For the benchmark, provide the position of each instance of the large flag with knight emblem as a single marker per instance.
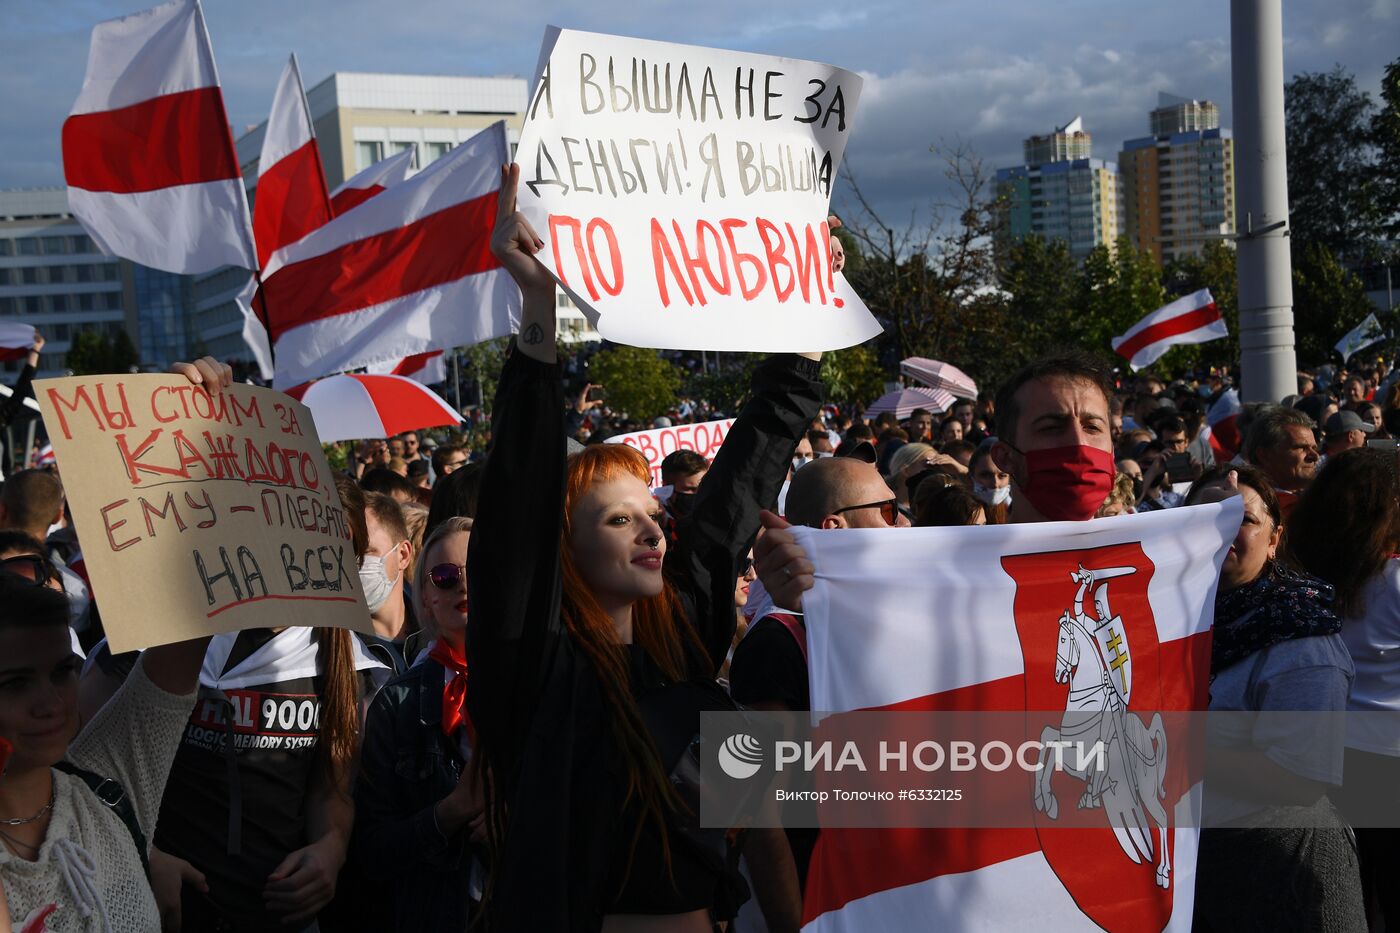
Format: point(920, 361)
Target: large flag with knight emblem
point(1106, 625)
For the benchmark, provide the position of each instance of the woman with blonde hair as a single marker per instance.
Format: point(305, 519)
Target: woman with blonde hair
point(590, 663)
point(416, 798)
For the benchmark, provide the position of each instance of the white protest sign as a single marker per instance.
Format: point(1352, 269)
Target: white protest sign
point(682, 192)
point(704, 438)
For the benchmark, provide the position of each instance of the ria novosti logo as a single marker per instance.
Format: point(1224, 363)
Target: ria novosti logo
point(740, 756)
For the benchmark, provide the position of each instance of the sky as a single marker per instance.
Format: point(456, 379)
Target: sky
point(983, 73)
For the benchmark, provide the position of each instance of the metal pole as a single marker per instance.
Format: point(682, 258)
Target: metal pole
point(1268, 363)
point(457, 380)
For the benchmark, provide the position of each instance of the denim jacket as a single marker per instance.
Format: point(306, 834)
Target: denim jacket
point(406, 766)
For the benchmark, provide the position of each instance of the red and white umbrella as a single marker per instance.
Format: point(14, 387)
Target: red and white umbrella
point(353, 406)
point(16, 340)
point(903, 401)
point(939, 376)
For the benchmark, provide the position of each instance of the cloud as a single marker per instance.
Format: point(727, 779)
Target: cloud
point(988, 74)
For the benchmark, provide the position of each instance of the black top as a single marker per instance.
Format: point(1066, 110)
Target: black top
point(23, 389)
point(276, 731)
point(534, 698)
point(768, 667)
point(417, 875)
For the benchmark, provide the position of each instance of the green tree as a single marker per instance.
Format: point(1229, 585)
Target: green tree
point(638, 381)
point(124, 356)
point(725, 388)
point(852, 375)
point(93, 353)
point(1328, 301)
point(1385, 135)
point(1332, 184)
point(481, 366)
point(927, 281)
point(1117, 288)
point(1213, 269)
point(1040, 280)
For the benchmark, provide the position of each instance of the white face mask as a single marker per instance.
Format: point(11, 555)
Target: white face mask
point(375, 582)
point(997, 496)
point(799, 462)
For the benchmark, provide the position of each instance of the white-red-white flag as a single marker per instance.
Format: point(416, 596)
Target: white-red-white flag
point(147, 152)
point(408, 271)
point(972, 620)
point(291, 199)
point(1222, 423)
point(428, 368)
point(381, 175)
point(16, 340)
point(1191, 319)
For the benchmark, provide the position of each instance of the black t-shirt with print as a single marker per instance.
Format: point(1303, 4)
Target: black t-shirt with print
point(276, 733)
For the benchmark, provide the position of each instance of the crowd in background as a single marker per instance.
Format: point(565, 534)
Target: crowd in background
point(333, 781)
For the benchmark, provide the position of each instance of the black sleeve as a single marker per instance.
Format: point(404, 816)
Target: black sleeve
point(768, 667)
point(386, 842)
point(513, 561)
point(745, 477)
point(23, 389)
point(573, 420)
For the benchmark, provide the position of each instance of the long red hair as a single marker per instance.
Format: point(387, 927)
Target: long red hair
point(658, 626)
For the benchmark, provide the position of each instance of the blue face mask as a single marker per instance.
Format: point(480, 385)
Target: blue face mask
point(1204, 391)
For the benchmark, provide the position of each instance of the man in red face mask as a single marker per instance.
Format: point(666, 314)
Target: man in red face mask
point(1054, 439)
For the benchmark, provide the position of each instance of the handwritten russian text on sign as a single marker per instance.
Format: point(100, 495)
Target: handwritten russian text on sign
point(704, 438)
point(682, 192)
point(201, 514)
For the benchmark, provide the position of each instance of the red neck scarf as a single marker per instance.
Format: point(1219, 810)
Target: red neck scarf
point(454, 695)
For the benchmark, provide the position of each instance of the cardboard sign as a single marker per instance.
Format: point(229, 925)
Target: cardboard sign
point(704, 438)
point(201, 514)
point(682, 192)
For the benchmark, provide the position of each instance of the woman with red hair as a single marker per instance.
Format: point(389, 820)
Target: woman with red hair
point(592, 651)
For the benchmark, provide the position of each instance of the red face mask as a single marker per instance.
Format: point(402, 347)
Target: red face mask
point(1067, 484)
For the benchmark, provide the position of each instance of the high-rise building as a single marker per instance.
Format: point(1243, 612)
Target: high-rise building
point(360, 119)
point(1067, 143)
point(1179, 183)
point(53, 277)
point(1061, 193)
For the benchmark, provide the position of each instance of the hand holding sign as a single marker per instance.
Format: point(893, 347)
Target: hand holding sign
point(678, 192)
point(203, 508)
point(514, 242)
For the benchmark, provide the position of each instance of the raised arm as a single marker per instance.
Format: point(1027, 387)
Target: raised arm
point(745, 478)
point(513, 569)
point(24, 385)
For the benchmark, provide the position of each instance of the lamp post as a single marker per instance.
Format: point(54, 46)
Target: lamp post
point(1268, 362)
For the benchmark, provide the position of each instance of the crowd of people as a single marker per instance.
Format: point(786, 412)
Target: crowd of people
point(515, 745)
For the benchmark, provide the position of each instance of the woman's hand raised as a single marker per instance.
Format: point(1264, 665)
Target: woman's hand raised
point(515, 243)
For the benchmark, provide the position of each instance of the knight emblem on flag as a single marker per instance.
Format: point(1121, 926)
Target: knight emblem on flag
point(1091, 650)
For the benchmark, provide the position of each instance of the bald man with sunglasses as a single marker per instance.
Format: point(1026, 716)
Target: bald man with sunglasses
point(769, 668)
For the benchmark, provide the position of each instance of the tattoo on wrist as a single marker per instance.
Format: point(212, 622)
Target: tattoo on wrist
point(533, 334)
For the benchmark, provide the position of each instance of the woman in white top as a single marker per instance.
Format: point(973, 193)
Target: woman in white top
point(1346, 530)
point(68, 861)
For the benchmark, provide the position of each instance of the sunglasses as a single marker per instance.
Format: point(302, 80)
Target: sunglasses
point(889, 510)
point(447, 576)
point(31, 567)
point(745, 566)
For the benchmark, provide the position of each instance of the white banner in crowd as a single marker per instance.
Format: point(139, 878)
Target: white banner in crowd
point(682, 192)
point(704, 438)
point(973, 618)
point(1360, 337)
